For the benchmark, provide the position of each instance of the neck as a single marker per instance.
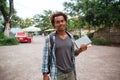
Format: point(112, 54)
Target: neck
point(61, 32)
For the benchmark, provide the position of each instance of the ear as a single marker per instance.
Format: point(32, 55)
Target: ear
point(54, 26)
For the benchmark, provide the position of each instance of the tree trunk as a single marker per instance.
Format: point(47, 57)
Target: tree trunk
point(8, 23)
point(7, 29)
point(7, 16)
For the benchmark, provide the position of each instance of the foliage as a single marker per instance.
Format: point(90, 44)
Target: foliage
point(42, 20)
point(98, 41)
point(4, 40)
point(90, 35)
point(27, 22)
point(72, 23)
point(7, 13)
point(76, 36)
point(95, 12)
point(16, 21)
point(1, 35)
point(1, 26)
point(3, 3)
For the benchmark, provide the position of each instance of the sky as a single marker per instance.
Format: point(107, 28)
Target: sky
point(28, 8)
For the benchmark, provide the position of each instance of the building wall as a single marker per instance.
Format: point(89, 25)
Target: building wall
point(113, 34)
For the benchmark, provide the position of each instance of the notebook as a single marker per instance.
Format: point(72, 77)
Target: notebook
point(83, 40)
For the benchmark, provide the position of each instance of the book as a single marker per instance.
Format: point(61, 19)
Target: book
point(83, 40)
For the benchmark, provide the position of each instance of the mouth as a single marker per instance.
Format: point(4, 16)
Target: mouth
point(61, 27)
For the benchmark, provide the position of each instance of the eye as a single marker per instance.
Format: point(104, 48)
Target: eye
point(57, 22)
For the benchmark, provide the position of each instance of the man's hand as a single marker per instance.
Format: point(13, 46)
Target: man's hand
point(83, 47)
point(46, 77)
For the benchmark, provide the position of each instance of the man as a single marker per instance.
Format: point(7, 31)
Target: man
point(59, 51)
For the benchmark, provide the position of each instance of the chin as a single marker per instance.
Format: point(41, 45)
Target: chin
point(61, 30)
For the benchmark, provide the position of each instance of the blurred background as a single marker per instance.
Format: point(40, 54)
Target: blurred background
point(99, 19)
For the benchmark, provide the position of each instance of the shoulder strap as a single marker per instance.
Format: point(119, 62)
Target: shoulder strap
point(52, 40)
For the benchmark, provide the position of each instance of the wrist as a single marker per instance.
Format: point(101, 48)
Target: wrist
point(80, 49)
point(45, 74)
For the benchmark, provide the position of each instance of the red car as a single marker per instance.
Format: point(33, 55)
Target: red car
point(23, 37)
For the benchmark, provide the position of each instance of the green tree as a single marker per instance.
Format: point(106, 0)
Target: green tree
point(28, 22)
point(75, 12)
point(16, 21)
point(96, 12)
point(7, 13)
point(73, 23)
point(42, 20)
point(22, 23)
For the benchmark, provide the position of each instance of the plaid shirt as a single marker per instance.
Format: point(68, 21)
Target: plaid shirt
point(47, 51)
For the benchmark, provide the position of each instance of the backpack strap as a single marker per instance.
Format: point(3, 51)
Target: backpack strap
point(52, 40)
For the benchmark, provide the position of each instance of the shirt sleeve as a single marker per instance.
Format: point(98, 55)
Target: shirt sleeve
point(45, 55)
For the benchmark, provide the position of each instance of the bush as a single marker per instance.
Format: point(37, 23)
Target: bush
point(75, 37)
point(90, 35)
point(7, 40)
point(98, 41)
point(2, 35)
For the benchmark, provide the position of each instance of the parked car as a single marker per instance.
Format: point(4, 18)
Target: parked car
point(23, 37)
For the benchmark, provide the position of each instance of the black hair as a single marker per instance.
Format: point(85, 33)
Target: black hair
point(52, 17)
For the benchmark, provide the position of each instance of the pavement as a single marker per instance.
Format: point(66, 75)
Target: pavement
point(23, 62)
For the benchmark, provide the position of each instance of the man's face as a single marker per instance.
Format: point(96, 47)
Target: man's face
point(60, 23)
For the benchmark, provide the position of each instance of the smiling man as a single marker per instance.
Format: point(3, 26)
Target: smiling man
point(59, 51)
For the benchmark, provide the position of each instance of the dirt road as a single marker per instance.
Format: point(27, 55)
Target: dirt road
point(23, 62)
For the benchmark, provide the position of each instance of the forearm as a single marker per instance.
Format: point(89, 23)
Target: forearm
point(78, 51)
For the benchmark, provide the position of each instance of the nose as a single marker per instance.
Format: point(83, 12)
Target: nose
point(61, 22)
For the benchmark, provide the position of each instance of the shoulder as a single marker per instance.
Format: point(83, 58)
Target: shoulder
point(52, 33)
point(47, 38)
point(50, 36)
point(71, 36)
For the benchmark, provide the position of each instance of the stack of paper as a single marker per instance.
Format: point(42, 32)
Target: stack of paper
point(83, 40)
